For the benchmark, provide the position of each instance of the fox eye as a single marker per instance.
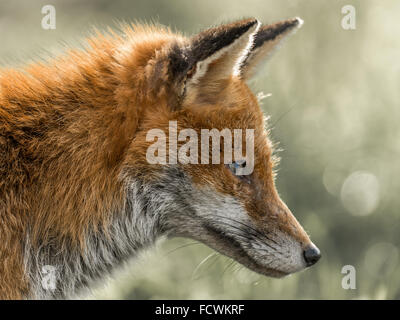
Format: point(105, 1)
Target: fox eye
point(237, 167)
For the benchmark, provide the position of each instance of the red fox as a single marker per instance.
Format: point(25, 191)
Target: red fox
point(77, 192)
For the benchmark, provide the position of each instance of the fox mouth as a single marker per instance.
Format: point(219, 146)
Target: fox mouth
point(231, 247)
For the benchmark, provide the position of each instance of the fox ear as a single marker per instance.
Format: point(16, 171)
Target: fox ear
point(211, 55)
point(265, 41)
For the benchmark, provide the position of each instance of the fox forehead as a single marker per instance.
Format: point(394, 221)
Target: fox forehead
point(234, 106)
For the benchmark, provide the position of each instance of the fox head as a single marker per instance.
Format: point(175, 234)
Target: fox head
point(199, 83)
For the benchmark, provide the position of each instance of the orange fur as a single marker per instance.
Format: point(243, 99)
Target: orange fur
point(69, 128)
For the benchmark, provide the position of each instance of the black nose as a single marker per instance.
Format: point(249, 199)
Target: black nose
point(311, 255)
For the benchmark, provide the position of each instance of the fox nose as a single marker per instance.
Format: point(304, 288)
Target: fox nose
point(311, 255)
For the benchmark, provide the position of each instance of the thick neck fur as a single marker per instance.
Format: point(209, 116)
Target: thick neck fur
point(149, 212)
point(131, 230)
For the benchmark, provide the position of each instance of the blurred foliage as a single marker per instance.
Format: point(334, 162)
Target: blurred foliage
point(335, 111)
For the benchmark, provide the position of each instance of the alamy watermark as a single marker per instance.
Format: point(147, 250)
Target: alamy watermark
point(349, 280)
point(349, 18)
point(49, 277)
point(186, 147)
point(49, 19)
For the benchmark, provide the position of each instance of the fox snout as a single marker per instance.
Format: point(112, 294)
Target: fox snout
point(274, 246)
point(279, 223)
point(291, 241)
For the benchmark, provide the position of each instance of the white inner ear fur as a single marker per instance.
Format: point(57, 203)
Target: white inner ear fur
point(246, 51)
point(235, 47)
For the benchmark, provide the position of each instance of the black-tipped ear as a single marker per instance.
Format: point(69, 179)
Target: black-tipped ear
point(265, 40)
point(209, 42)
point(224, 43)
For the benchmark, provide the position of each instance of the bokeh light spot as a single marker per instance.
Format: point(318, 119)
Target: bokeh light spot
point(360, 193)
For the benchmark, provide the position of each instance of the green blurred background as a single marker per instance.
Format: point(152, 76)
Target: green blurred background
point(335, 111)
